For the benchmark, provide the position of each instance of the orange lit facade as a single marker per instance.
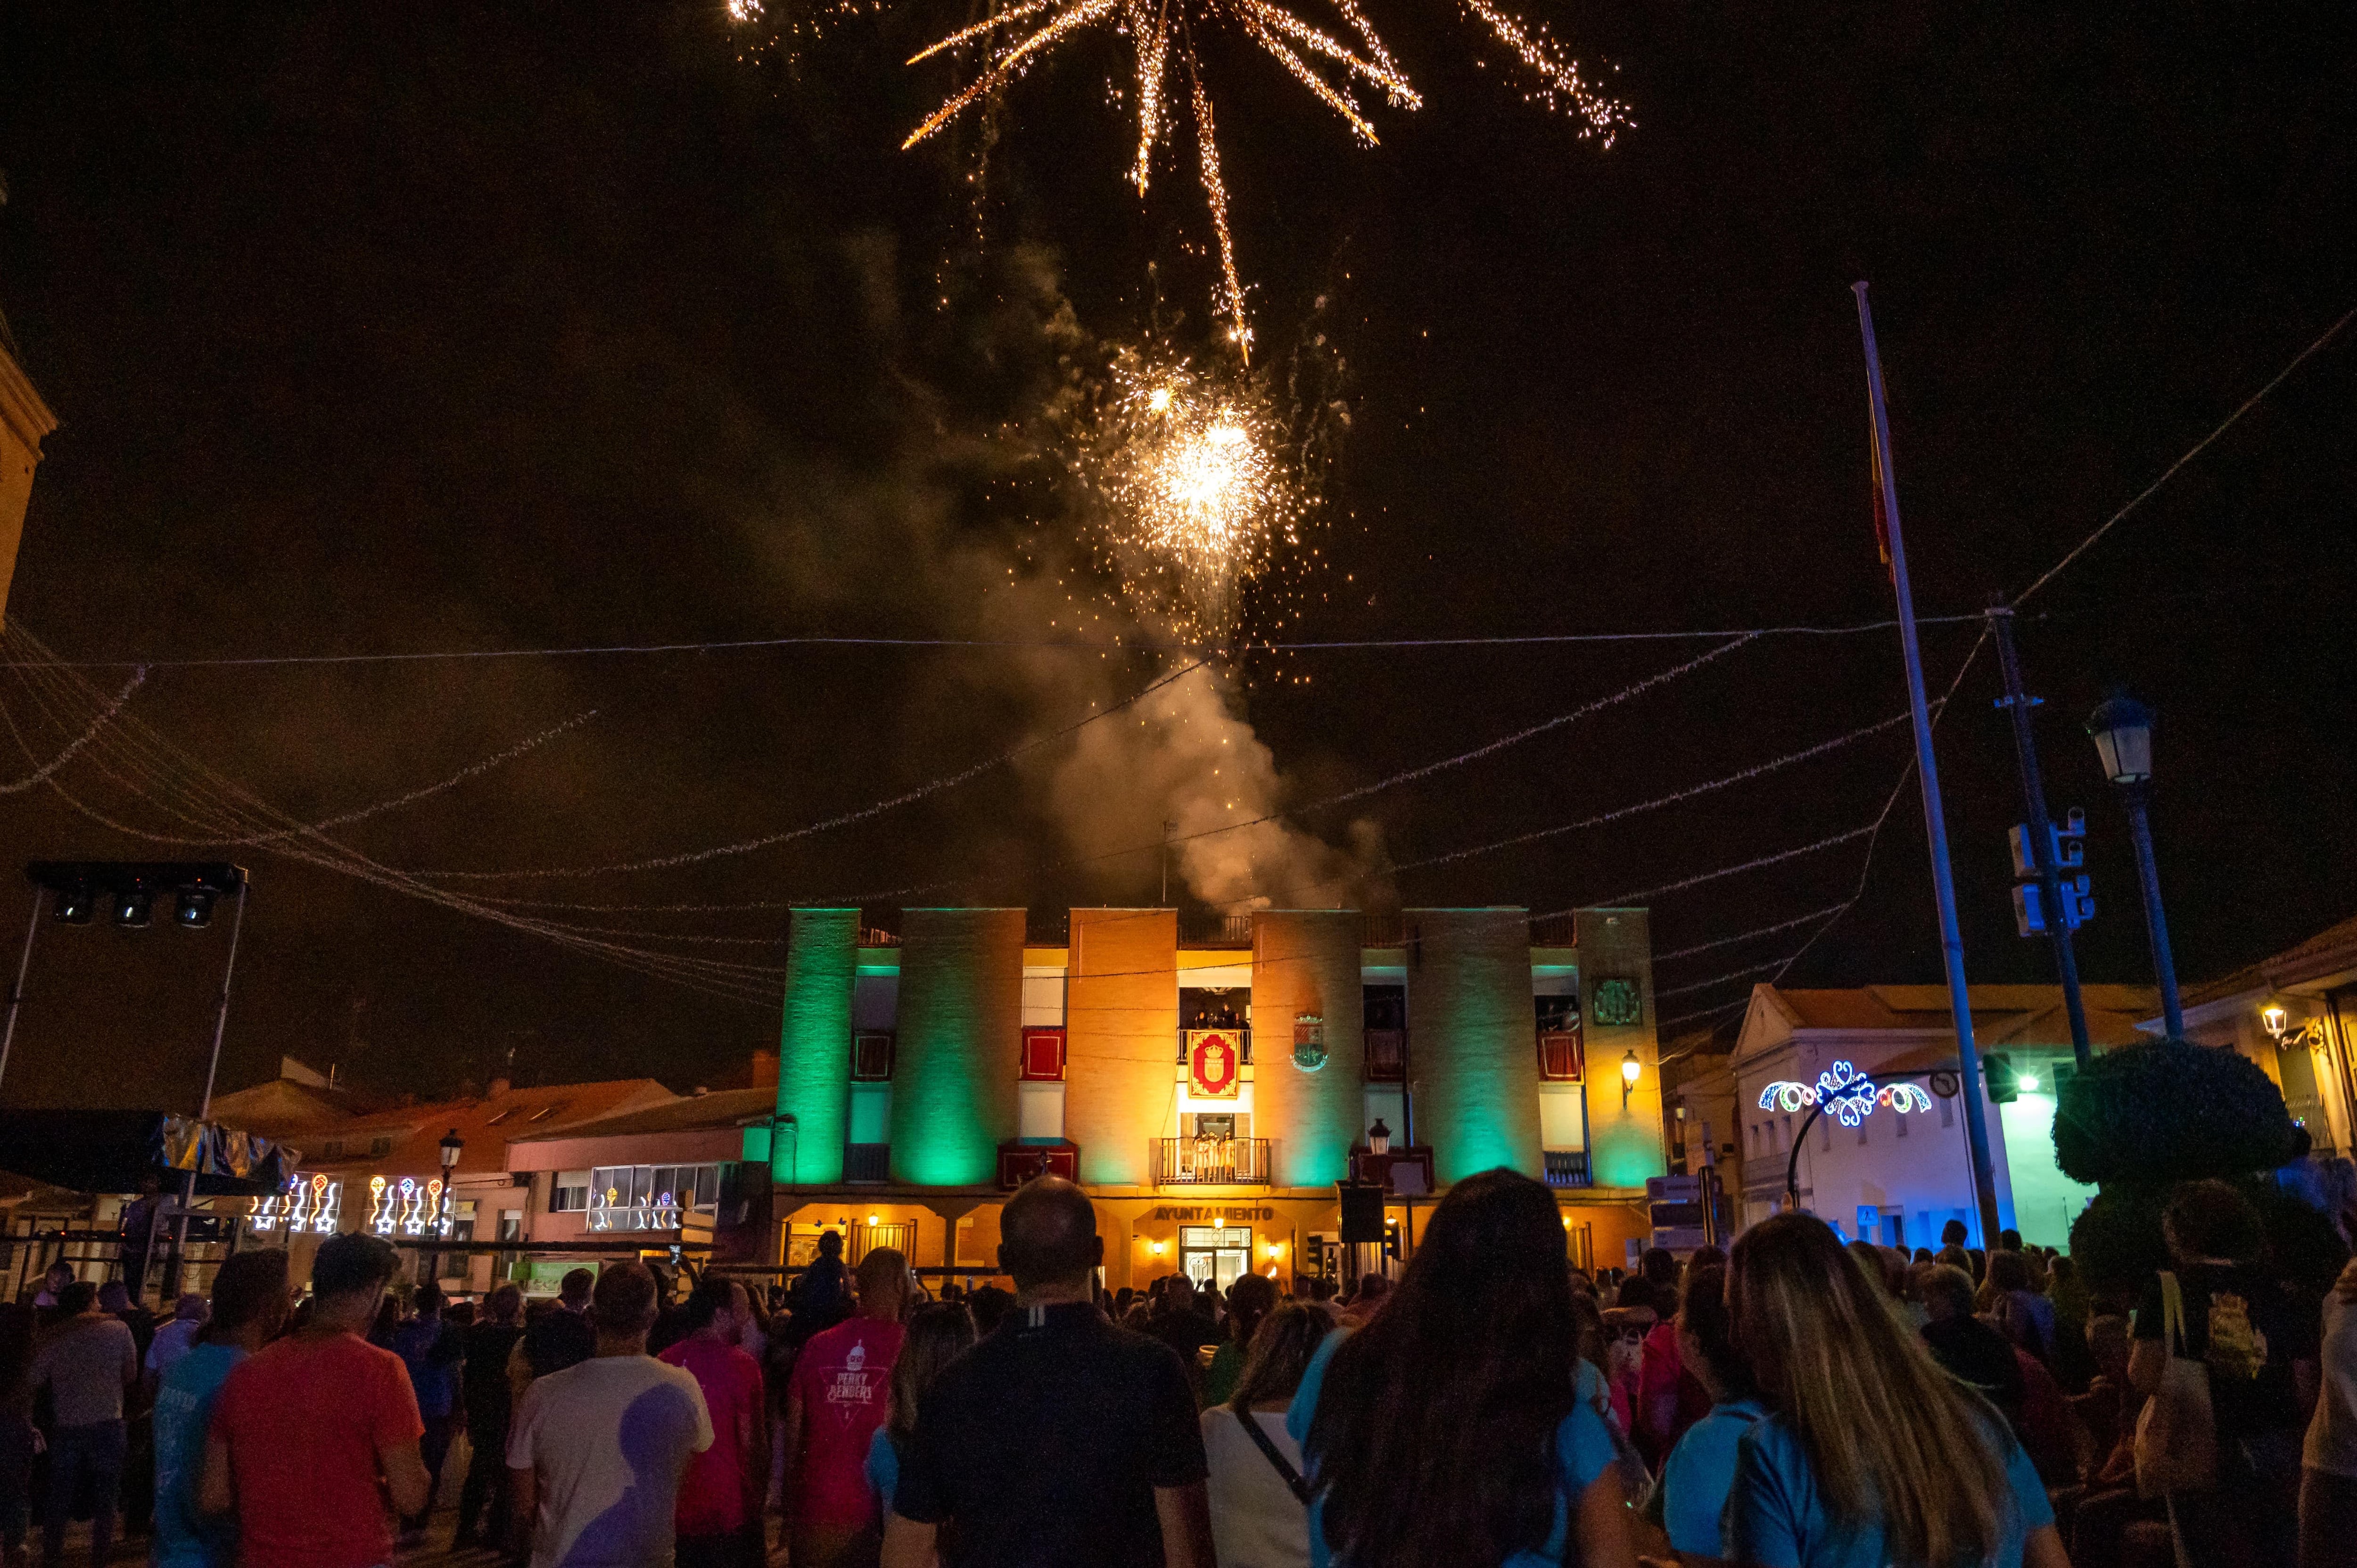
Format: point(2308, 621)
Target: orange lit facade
point(1209, 1087)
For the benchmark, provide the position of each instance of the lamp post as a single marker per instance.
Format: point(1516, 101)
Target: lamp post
point(1630, 1069)
point(452, 1147)
point(2122, 730)
point(1379, 1139)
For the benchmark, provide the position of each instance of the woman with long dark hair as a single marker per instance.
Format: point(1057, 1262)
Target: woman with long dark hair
point(1461, 1425)
point(938, 1332)
point(1873, 1455)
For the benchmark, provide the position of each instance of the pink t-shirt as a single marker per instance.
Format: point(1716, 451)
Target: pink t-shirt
point(719, 1495)
point(304, 1419)
point(843, 1377)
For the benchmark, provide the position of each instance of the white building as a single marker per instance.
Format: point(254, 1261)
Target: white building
point(1898, 1173)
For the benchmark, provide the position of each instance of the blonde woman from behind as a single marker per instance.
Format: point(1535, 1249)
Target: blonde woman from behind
point(1872, 1455)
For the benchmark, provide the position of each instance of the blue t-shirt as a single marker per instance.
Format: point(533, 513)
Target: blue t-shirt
point(1583, 1448)
point(430, 1350)
point(883, 1468)
point(184, 1414)
point(1776, 1518)
point(1700, 1472)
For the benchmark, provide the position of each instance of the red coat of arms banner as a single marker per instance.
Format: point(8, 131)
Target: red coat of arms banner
point(1214, 1066)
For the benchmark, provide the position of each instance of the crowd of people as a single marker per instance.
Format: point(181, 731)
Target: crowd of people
point(1794, 1400)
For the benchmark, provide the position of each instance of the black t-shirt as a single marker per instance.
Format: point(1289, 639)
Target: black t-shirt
point(1041, 1447)
point(2269, 1402)
point(485, 1380)
point(556, 1340)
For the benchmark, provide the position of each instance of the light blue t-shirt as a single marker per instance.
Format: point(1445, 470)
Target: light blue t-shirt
point(883, 1468)
point(1776, 1518)
point(184, 1414)
point(1583, 1447)
point(1700, 1472)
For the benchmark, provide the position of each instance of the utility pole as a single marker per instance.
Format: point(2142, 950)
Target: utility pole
point(1935, 821)
point(2058, 922)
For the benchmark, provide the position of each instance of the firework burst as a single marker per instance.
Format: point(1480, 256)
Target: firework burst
point(1196, 486)
point(1336, 70)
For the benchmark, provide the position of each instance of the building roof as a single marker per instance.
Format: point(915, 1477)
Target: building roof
point(2002, 1015)
point(2322, 956)
point(406, 1139)
point(284, 1108)
point(721, 1108)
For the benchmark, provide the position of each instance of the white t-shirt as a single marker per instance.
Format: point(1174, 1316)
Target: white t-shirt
point(2332, 1443)
point(1256, 1521)
point(609, 1439)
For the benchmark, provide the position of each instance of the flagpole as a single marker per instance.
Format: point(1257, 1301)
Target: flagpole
point(1935, 824)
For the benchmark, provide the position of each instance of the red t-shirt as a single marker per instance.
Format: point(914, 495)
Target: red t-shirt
point(843, 1377)
point(304, 1419)
point(719, 1495)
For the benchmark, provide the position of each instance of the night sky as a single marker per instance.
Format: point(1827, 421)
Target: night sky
point(403, 329)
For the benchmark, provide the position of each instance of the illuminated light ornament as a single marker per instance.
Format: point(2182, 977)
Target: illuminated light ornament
point(380, 1207)
point(431, 1210)
point(1847, 1093)
point(411, 1224)
point(327, 1205)
point(667, 1213)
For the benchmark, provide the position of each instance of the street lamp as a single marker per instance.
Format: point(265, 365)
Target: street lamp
point(452, 1144)
point(1379, 1139)
point(2122, 730)
point(1630, 1069)
point(2275, 1020)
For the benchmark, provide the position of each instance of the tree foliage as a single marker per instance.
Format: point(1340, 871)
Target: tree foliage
point(2171, 1111)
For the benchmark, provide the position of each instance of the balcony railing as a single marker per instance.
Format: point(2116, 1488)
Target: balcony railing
point(867, 1162)
point(1404, 1171)
point(1211, 1162)
point(1208, 928)
point(1568, 1168)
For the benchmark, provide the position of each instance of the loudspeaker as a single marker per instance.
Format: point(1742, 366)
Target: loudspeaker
point(1362, 1213)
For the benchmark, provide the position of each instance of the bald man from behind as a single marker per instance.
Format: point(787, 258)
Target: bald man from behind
point(1059, 1441)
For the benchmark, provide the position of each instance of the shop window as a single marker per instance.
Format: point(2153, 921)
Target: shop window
point(1043, 1056)
point(871, 1056)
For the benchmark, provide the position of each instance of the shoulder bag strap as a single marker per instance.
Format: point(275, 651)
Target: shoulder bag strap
point(1292, 1481)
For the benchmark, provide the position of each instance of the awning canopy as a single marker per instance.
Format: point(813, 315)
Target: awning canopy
point(110, 1151)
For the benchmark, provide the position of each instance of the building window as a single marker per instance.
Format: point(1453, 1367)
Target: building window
point(1385, 1011)
point(571, 1193)
point(511, 1224)
point(651, 1198)
point(871, 1056)
point(1043, 1056)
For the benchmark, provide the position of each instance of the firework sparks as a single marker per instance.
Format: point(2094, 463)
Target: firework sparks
point(1161, 34)
point(1196, 491)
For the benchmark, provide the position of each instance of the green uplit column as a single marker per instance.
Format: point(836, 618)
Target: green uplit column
point(1472, 1040)
point(814, 1048)
point(961, 1021)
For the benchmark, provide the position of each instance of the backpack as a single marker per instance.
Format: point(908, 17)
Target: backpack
point(2237, 1349)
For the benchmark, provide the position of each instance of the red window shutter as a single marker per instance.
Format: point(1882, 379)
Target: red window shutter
point(1559, 1056)
point(871, 1056)
point(1043, 1056)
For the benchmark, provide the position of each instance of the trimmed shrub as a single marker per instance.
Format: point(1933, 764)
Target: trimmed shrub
point(2171, 1111)
point(2117, 1240)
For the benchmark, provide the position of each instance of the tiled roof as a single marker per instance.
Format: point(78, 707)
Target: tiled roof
point(722, 1108)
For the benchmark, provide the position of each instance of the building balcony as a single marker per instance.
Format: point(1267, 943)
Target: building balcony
point(867, 1162)
point(1019, 1162)
point(1569, 1167)
point(1402, 1172)
point(1212, 1162)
